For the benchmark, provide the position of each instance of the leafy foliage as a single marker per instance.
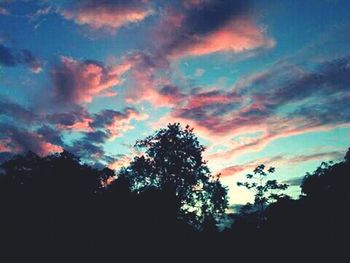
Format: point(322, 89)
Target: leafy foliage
point(265, 191)
point(172, 161)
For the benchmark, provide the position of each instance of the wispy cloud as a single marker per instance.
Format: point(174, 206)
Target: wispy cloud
point(108, 14)
point(282, 160)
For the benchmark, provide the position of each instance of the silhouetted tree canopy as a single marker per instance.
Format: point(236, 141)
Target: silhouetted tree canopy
point(172, 161)
point(56, 208)
point(329, 181)
point(61, 172)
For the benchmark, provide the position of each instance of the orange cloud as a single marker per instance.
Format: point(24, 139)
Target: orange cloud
point(119, 163)
point(48, 148)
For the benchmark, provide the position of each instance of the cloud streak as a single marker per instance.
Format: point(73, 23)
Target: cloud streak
point(280, 160)
point(110, 15)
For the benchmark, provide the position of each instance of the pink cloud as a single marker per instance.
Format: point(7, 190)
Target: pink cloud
point(279, 160)
point(108, 14)
point(221, 129)
point(205, 98)
point(48, 148)
point(22, 141)
point(149, 90)
point(289, 128)
point(237, 169)
point(146, 83)
point(179, 35)
point(270, 105)
point(238, 36)
point(80, 82)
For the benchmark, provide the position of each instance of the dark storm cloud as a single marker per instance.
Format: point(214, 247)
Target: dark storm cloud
point(11, 57)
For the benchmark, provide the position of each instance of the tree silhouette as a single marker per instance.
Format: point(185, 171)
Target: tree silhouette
point(329, 181)
point(57, 208)
point(47, 203)
point(265, 191)
point(172, 161)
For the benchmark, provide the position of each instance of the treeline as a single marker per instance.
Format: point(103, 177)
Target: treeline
point(165, 206)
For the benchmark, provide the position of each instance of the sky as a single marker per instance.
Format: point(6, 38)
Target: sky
point(259, 81)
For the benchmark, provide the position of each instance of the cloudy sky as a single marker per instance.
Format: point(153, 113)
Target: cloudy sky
point(260, 81)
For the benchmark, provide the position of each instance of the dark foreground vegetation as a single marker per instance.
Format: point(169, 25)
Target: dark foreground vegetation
point(165, 207)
